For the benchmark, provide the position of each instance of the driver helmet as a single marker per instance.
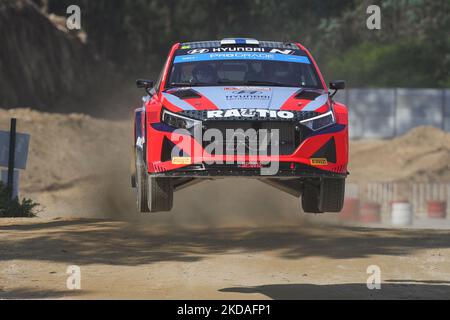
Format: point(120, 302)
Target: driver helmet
point(204, 73)
point(281, 70)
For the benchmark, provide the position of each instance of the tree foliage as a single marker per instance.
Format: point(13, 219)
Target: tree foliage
point(411, 49)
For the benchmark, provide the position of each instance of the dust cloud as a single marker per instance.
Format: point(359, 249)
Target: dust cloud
point(79, 167)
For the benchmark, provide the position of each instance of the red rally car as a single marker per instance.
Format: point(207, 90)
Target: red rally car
point(241, 108)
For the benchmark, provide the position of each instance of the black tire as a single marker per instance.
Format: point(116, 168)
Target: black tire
point(141, 186)
point(133, 168)
point(310, 199)
point(160, 194)
point(326, 196)
point(332, 194)
point(133, 180)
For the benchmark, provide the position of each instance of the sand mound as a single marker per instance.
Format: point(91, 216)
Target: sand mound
point(423, 154)
point(65, 149)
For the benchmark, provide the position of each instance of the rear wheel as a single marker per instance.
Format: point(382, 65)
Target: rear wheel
point(326, 196)
point(160, 194)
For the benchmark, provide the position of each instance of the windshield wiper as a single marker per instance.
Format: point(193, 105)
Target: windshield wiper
point(188, 84)
point(228, 81)
point(266, 83)
point(252, 83)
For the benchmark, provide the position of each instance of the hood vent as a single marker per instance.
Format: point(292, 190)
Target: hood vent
point(308, 94)
point(186, 94)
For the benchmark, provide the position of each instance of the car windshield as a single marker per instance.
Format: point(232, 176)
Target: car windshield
point(223, 69)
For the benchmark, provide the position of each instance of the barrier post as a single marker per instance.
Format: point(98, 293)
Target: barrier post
point(11, 161)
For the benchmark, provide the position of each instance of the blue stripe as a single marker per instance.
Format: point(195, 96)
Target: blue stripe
point(241, 56)
point(240, 41)
point(162, 127)
point(331, 129)
point(138, 122)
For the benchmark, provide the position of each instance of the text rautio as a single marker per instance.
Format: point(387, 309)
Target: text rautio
point(250, 113)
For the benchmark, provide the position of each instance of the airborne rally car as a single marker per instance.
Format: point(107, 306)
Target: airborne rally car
point(241, 108)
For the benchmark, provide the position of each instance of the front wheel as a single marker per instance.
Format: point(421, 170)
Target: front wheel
point(326, 196)
point(141, 186)
point(160, 194)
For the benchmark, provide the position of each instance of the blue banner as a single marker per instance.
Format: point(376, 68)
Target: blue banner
point(241, 56)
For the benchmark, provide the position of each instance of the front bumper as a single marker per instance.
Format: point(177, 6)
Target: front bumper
point(296, 160)
point(284, 171)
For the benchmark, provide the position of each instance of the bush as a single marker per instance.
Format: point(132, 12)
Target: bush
point(408, 63)
point(14, 208)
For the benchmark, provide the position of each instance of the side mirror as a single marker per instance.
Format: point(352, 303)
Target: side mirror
point(145, 84)
point(337, 85)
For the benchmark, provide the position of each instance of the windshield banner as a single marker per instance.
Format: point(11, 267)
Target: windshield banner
point(241, 56)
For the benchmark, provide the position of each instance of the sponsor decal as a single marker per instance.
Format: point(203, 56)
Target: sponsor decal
point(196, 55)
point(198, 51)
point(247, 88)
point(185, 47)
point(239, 49)
point(282, 51)
point(250, 113)
point(247, 94)
point(319, 161)
point(181, 160)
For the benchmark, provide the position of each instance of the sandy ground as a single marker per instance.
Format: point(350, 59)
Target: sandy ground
point(235, 238)
point(129, 260)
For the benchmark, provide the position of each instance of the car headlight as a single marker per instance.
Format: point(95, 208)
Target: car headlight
point(320, 122)
point(178, 121)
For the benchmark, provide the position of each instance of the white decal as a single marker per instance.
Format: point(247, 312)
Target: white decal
point(198, 51)
point(215, 114)
point(285, 114)
point(238, 49)
point(260, 113)
point(281, 51)
point(232, 113)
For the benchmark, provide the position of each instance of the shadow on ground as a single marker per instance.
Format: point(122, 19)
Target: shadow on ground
point(30, 293)
point(125, 243)
point(356, 291)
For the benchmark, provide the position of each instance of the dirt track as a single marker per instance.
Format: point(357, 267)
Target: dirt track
point(133, 260)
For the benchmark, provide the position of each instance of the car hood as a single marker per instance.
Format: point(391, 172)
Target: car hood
point(244, 97)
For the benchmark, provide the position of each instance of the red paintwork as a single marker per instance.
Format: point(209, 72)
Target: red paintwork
point(302, 155)
point(201, 103)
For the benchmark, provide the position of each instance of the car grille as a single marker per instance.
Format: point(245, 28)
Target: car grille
point(289, 137)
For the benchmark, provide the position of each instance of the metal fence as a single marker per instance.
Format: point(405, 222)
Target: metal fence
point(383, 193)
point(387, 113)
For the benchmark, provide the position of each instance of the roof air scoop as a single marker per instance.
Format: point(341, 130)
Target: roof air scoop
point(239, 41)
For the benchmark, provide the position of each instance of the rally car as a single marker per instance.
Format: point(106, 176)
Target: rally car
point(241, 108)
